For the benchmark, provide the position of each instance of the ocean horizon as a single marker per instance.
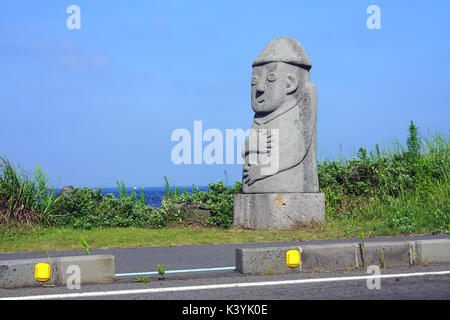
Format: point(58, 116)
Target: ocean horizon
point(153, 195)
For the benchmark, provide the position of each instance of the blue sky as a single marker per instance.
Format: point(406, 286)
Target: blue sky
point(99, 104)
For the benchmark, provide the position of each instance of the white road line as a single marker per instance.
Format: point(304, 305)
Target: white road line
point(222, 286)
point(174, 271)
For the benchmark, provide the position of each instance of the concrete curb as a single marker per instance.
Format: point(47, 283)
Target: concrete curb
point(432, 251)
point(93, 269)
point(343, 256)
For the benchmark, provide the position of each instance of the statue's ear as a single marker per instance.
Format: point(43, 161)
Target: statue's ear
point(309, 95)
point(291, 83)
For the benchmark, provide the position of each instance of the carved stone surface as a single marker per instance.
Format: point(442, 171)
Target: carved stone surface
point(265, 211)
point(281, 152)
point(285, 105)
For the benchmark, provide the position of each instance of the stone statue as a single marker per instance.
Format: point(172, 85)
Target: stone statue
point(280, 167)
point(284, 99)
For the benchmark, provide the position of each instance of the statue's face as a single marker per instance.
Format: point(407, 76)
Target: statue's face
point(272, 85)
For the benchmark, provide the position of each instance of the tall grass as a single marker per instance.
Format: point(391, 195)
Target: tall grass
point(24, 198)
point(133, 195)
point(399, 189)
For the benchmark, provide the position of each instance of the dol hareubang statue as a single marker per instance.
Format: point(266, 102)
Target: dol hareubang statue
point(283, 99)
point(280, 181)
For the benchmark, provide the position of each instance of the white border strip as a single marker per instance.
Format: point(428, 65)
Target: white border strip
point(174, 271)
point(221, 286)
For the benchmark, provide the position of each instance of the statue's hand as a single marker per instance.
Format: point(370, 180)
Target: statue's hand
point(245, 149)
point(265, 142)
point(251, 174)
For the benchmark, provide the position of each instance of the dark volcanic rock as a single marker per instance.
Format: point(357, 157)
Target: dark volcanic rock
point(65, 190)
point(191, 213)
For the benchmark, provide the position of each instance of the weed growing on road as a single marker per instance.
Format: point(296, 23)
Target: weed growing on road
point(85, 246)
point(143, 280)
point(162, 271)
point(363, 249)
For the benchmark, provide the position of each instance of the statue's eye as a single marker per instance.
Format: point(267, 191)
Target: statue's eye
point(254, 80)
point(272, 77)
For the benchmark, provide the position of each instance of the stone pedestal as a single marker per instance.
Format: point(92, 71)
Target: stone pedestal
point(264, 211)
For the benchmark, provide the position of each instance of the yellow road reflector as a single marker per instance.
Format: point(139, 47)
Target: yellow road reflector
point(293, 258)
point(42, 272)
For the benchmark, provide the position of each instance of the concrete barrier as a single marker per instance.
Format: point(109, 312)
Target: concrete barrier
point(432, 251)
point(93, 269)
point(387, 254)
point(261, 260)
point(344, 256)
point(330, 257)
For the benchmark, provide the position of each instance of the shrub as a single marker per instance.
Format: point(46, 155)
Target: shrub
point(86, 208)
point(218, 200)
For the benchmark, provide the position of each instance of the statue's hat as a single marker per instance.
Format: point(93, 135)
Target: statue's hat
point(286, 50)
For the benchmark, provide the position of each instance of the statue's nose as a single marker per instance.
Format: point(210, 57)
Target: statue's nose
point(260, 85)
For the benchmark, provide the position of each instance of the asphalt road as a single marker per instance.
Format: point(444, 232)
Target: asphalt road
point(229, 285)
point(146, 259)
point(333, 285)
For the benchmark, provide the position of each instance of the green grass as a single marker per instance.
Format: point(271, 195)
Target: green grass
point(38, 238)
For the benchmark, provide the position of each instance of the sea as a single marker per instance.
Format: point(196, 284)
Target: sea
point(153, 195)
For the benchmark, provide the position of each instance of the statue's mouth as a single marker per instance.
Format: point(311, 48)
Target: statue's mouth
point(259, 96)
